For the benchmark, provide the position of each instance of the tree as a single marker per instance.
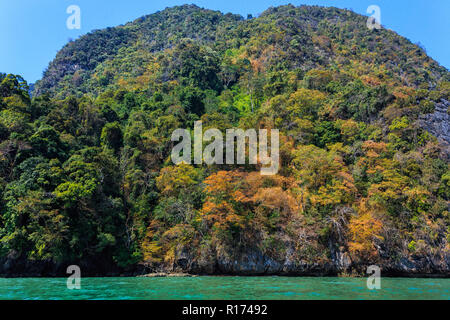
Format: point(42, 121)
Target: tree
point(112, 136)
point(364, 231)
point(323, 178)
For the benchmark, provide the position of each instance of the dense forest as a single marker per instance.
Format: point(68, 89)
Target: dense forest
point(86, 176)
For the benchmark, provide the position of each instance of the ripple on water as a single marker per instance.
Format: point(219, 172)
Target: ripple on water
point(224, 288)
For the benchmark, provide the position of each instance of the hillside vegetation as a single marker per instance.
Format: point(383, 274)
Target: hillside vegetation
point(86, 176)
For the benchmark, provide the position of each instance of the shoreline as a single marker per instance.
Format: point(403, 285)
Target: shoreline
point(25, 268)
point(190, 275)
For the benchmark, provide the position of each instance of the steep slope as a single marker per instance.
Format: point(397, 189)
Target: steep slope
point(76, 62)
point(305, 37)
point(301, 38)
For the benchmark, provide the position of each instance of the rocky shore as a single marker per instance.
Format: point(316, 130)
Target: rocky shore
point(248, 264)
point(167, 274)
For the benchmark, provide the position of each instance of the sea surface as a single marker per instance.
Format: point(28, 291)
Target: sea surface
point(297, 288)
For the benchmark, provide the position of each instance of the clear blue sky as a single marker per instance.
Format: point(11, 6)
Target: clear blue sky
point(32, 31)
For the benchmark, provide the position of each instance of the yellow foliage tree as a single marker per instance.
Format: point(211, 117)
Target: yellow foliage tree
point(363, 230)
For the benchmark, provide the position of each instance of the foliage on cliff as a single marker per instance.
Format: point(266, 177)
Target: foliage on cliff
point(85, 168)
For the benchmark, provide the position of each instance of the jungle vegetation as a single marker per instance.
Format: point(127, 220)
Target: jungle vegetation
point(85, 169)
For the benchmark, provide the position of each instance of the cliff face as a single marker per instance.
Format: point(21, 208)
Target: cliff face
point(438, 124)
point(255, 262)
point(250, 263)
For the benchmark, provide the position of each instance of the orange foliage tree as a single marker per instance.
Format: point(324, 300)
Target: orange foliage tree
point(363, 231)
point(220, 210)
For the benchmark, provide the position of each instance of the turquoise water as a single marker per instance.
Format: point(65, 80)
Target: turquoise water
point(304, 288)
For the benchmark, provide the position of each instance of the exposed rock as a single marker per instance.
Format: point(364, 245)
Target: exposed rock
point(438, 124)
point(165, 274)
